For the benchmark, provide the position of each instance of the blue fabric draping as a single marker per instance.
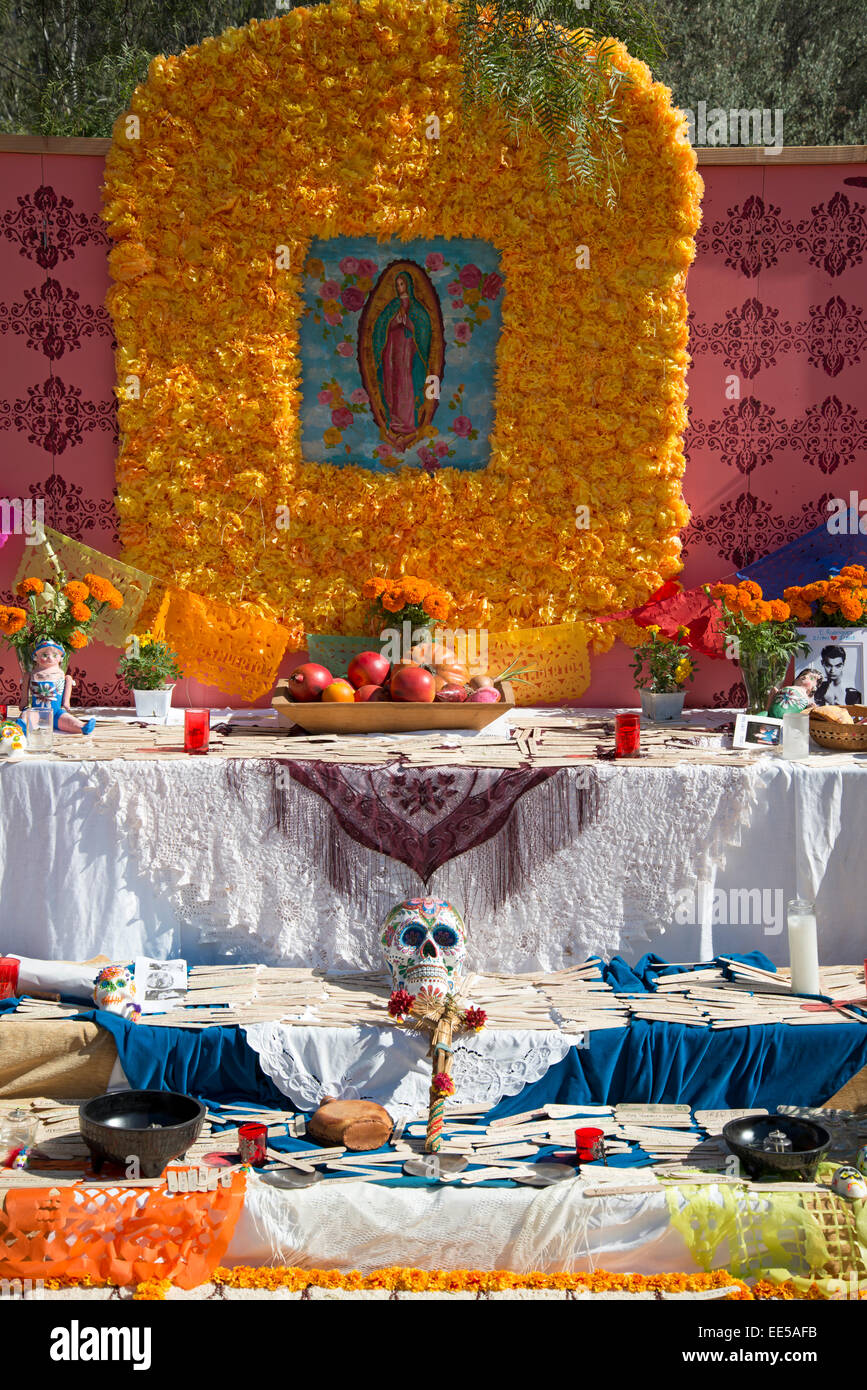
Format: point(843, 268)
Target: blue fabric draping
point(214, 1064)
point(766, 1065)
point(817, 555)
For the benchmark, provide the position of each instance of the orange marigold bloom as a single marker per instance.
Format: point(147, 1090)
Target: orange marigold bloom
point(750, 587)
point(373, 587)
point(727, 592)
point(391, 600)
point(104, 591)
point(78, 639)
point(81, 613)
point(779, 611)
point(757, 612)
point(851, 609)
point(29, 586)
point(12, 620)
point(75, 591)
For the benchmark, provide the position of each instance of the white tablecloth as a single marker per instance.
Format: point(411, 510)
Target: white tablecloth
point(158, 858)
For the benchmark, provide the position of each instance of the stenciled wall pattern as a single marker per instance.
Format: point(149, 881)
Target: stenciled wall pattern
point(778, 419)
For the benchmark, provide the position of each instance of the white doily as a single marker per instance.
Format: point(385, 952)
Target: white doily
point(392, 1066)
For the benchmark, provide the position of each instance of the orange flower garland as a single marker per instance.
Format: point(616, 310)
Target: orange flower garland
point(591, 363)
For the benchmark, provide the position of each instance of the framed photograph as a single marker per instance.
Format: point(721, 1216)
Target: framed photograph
point(757, 731)
point(160, 984)
point(837, 655)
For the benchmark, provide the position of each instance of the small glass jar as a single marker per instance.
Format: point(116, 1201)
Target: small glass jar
point(796, 734)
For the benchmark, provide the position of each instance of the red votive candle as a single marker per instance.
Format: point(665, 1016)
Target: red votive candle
point(588, 1144)
point(4, 710)
point(627, 735)
point(197, 730)
point(8, 977)
point(252, 1142)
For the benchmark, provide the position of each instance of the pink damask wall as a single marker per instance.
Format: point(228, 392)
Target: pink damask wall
point(778, 299)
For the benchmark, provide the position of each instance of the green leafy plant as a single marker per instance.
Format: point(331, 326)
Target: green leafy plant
point(547, 65)
point(148, 664)
point(662, 665)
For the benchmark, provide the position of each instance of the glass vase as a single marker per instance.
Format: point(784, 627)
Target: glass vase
point(760, 672)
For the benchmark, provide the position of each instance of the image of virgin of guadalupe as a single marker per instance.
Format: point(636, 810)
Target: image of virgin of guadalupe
point(400, 350)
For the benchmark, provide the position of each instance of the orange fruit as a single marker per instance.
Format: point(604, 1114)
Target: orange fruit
point(341, 691)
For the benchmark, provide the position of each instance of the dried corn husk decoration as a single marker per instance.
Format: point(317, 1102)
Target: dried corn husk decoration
point(442, 1017)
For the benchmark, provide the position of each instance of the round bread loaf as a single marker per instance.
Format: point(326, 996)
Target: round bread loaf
point(356, 1124)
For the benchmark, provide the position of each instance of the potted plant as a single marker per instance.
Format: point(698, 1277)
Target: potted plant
point(149, 669)
point(662, 667)
point(762, 635)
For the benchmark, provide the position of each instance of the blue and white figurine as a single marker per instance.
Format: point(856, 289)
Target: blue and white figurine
point(48, 686)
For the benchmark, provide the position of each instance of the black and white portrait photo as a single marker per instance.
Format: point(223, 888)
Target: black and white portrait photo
point(840, 662)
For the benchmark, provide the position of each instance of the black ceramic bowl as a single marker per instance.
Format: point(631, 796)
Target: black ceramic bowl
point(151, 1126)
point(809, 1141)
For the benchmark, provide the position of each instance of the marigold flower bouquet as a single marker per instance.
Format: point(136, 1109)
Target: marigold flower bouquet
point(405, 599)
point(64, 613)
point(762, 636)
point(840, 601)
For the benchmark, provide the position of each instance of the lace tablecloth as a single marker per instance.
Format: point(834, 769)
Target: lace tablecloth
point(392, 1067)
point(163, 858)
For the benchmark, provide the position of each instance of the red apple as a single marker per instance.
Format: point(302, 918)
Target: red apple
point(370, 692)
point(307, 682)
point(413, 683)
point(368, 668)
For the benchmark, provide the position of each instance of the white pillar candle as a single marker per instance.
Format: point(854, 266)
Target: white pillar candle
point(803, 947)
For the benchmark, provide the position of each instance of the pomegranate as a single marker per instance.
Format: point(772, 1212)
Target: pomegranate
point(368, 668)
point(485, 696)
point(307, 682)
point(452, 694)
point(339, 692)
point(413, 683)
point(371, 692)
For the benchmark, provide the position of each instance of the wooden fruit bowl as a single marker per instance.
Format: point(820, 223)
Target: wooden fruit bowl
point(841, 738)
point(387, 716)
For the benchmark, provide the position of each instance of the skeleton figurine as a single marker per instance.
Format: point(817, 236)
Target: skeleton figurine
point(425, 944)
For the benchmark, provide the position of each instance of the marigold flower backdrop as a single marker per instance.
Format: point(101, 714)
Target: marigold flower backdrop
point(315, 126)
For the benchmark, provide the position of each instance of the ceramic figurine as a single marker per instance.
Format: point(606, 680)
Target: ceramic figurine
point(861, 1160)
point(13, 740)
point(796, 697)
point(849, 1183)
point(114, 991)
point(48, 686)
point(425, 944)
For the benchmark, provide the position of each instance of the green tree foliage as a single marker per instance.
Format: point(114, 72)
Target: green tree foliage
point(547, 65)
point(804, 58)
point(68, 67)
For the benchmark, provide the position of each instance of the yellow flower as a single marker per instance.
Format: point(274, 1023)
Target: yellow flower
point(313, 84)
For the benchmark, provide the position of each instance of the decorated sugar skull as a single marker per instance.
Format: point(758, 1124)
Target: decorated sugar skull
point(114, 991)
point(13, 739)
point(425, 943)
point(849, 1183)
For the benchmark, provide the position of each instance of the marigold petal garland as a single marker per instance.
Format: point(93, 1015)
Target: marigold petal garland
point(314, 125)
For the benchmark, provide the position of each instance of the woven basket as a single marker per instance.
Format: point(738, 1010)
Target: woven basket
point(841, 738)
